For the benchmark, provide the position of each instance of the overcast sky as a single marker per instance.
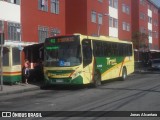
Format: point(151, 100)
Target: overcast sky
point(157, 2)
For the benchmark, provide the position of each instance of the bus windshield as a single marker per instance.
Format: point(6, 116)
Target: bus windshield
point(62, 52)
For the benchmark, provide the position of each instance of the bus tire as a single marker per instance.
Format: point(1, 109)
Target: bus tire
point(96, 79)
point(124, 74)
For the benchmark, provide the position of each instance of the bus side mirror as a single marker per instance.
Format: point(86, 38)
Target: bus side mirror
point(2, 38)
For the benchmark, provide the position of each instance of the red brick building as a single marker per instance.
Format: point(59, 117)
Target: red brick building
point(125, 20)
point(116, 18)
point(87, 17)
point(145, 20)
point(99, 17)
point(41, 19)
point(10, 20)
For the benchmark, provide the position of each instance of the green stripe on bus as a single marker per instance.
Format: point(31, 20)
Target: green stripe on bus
point(78, 80)
point(105, 63)
point(12, 79)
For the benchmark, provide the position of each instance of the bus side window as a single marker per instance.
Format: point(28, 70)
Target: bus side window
point(6, 59)
point(87, 52)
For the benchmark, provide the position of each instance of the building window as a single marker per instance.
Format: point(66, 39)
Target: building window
point(142, 16)
point(14, 31)
point(55, 6)
point(113, 3)
point(93, 16)
point(142, 2)
point(156, 35)
point(156, 22)
point(100, 0)
point(149, 19)
point(54, 31)
point(142, 30)
point(149, 6)
point(125, 8)
point(149, 33)
point(42, 33)
point(126, 26)
point(43, 5)
point(113, 22)
point(1, 26)
point(100, 18)
point(14, 1)
point(110, 21)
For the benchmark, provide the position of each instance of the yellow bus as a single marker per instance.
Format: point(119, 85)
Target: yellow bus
point(12, 63)
point(79, 59)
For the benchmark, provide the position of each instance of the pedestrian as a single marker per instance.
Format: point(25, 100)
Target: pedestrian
point(25, 72)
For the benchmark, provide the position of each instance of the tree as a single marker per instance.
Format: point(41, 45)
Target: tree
point(140, 41)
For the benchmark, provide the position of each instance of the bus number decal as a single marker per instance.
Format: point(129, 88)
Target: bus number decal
point(99, 66)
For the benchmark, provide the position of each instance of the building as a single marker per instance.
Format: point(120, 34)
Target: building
point(116, 18)
point(125, 20)
point(86, 17)
point(145, 16)
point(145, 23)
point(10, 22)
point(41, 19)
point(99, 17)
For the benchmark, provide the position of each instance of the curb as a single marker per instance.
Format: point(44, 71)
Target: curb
point(20, 91)
point(146, 72)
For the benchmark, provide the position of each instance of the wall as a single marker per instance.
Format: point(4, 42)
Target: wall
point(78, 17)
point(124, 17)
point(76, 14)
point(9, 12)
point(99, 8)
point(32, 17)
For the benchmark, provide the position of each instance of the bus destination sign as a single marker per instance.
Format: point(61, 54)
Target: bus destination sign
point(62, 40)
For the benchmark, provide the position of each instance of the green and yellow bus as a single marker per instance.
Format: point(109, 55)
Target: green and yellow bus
point(11, 65)
point(78, 59)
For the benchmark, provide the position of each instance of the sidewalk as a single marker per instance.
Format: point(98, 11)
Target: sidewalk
point(18, 88)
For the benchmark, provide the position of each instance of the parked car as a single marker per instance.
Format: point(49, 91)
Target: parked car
point(155, 64)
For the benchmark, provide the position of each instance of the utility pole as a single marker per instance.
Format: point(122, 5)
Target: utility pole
point(1, 63)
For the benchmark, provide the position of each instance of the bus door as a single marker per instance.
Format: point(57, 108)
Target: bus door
point(87, 60)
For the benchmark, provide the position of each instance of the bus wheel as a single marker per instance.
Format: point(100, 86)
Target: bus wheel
point(124, 74)
point(97, 79)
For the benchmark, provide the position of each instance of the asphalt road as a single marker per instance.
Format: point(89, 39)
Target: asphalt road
point(140, 92)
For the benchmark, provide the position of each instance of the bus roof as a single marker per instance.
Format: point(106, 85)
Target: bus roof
point(108, 38)
point(104, 38)
point(18, 43)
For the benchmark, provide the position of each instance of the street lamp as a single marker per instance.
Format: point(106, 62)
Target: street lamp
point(99, 25)
point(1, 64)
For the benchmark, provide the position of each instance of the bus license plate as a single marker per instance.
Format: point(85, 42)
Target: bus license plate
point(59, 81)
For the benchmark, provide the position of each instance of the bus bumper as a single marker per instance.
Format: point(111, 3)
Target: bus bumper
point(64, 81)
